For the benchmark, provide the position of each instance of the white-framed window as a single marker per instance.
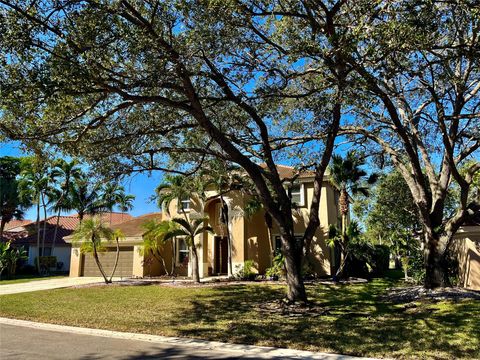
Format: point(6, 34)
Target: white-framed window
point(182, 251)
point(184, 204)
point(297, 193)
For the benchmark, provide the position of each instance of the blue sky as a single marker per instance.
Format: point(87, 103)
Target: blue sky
point(140, 185)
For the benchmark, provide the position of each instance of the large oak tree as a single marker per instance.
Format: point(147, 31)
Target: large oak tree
point(126, 84)
point(416, 75)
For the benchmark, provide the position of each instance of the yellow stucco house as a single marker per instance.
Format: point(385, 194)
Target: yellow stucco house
point(467, 247)
point(250, 236)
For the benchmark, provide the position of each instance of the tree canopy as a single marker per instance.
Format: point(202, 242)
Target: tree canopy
point(133, 86)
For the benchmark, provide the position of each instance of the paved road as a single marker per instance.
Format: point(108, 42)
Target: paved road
point(20, 342)
point(47, 284)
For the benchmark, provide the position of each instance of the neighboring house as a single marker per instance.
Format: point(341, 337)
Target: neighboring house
point(251, 238)
point(467, 247)
point(26, 235)
point(131, 259)
point(16, 225)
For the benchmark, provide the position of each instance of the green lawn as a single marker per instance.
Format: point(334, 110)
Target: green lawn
point(354, 322)
point(26, 278)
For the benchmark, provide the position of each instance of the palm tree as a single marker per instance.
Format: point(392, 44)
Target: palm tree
point(174, 188)
point(125, 202)
point(32, 187)
point(90, 235)
point(63, 172)
point(114, 195)
point(154, 241)
point(347, 176)
point(85, 198)
point(188, 231)
point(344, 242)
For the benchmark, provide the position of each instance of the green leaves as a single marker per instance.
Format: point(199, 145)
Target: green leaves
point(93, 232)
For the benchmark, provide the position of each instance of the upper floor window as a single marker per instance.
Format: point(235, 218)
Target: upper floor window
point(297, 194)
point(184, 204)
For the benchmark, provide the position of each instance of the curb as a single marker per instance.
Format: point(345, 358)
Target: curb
point(246, 351)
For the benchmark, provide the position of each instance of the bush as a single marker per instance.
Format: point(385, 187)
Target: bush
point(27, 270)
point(245, 272)
point(277, 270)
point(415, 264)
point(365, 260)
point(380, 260)
point(10, 257)
point(47, 262)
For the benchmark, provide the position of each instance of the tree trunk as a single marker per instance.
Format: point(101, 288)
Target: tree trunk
point(340, 271)
point(293, 263)
point(44, 224)
point(269, 223)
point(117, 255)
point(57, 223)
point(343, 201)
point(229, 239)
point(38, 234)
point(161, 260)
point(270, 242)
point(195, 271)
point(434, 265)
point(2, 227)
point(174, 256)
point(97, 261)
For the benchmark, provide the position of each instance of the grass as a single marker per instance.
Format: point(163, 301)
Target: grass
point(357, 323)
point(27, 278)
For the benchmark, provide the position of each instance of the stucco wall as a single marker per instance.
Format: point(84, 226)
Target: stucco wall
point(258, 244)
point(250, 236)
point(75, 262)
point(467, 244)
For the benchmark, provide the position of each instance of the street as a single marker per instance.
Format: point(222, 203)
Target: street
point(25, 342)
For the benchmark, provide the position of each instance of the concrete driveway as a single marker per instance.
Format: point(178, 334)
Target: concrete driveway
point(48, 284)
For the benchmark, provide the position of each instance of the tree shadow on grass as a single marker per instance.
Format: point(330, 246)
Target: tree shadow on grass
point(358, 322)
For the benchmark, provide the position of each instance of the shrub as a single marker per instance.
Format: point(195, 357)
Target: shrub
point(10, 258)
point(277, 270)
point(48, 261)
point(380, 260)
point(366, 260)
point(245, 272)
point(27, 270)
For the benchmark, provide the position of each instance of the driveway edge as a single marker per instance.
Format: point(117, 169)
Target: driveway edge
point(238, 349)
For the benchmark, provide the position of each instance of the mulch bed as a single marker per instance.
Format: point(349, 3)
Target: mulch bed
point(416, 293)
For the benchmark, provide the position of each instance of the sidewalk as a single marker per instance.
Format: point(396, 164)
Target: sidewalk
point(105, 341)
point(47, 284)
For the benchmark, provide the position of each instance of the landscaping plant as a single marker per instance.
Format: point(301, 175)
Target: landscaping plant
point(90, 237)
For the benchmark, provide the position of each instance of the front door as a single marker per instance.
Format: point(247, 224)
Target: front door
point(221, 255)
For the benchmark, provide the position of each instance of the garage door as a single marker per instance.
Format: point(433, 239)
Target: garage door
point(107, 259)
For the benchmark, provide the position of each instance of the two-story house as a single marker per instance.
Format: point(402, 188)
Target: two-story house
point(251, 238)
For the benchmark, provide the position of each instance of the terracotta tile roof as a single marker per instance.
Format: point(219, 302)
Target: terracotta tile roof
point(134, 227)
point(67, 224)
point(287, 172)
point(12, 224)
